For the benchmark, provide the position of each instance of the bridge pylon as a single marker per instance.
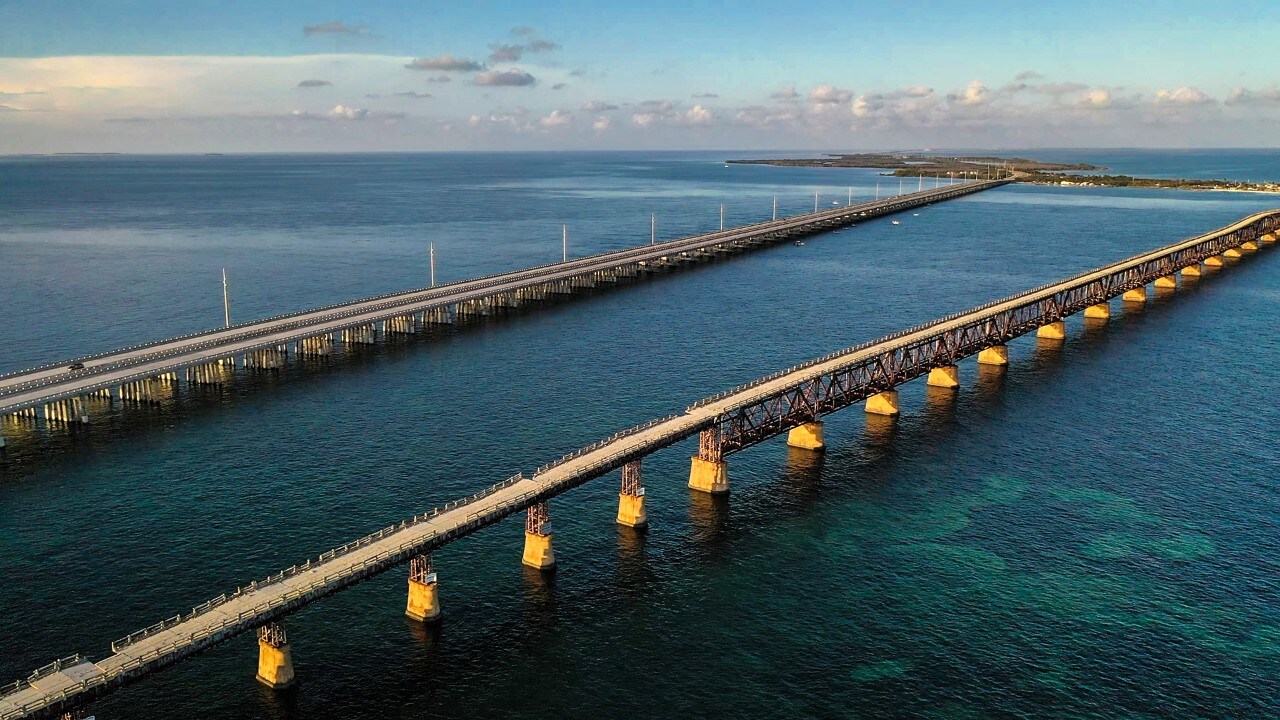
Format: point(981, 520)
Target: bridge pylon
point(1053, 331)
point(275, 661)
point(883, 403)
point(424, 604)
point(947, 376)
point(631, 500)
point(1192, 271)
point(538, 552)
point(708, 470)
point(807, 436)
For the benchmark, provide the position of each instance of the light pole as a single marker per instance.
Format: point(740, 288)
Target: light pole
point(432, 248)
point(226, 299)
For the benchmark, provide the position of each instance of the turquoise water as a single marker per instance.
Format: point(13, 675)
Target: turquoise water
point(1091, 535)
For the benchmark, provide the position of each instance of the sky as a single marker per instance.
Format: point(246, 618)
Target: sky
point(384, 75)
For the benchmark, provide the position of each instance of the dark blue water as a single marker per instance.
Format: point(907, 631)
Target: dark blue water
point(1092, 534)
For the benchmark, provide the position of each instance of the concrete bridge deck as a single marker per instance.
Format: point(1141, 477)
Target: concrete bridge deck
point(24, 391)
point(794, 399)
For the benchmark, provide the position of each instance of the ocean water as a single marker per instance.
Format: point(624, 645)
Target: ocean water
point(1092, 534)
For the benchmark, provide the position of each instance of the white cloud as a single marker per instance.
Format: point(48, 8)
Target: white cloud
point(1185, 95)
point(645, 119)
point(344, 112)
point(829, 95)
point(601, 124)
point(786, 93)
point(699, 115)
point(1097, 98)
point(595, 106)
point(556, 118)
point(975, 93)
point(515, 77)
point(447, 63)
point(1244, 96)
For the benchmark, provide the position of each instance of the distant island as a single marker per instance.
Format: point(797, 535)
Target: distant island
point(1020, 169)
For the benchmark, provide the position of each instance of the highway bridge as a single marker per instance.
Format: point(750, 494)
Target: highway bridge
point(146, 373)
point(793, 401)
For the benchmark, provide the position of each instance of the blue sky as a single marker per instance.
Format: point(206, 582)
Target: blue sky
point(138, 75)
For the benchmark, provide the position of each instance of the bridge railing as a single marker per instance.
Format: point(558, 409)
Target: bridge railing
point(327, 556)
point(399, 297)
point(601, 443)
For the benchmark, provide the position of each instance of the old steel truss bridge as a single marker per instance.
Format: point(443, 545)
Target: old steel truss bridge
point(147, 373)
point(793, 401)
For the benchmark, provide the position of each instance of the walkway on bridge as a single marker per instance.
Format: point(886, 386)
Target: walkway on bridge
point(793, 401)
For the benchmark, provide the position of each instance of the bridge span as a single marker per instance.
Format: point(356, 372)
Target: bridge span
point(146, 373)
point(793, 401)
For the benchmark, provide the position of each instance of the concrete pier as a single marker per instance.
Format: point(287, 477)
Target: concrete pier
point(709, 476)
point(538, 552)
point(360, 335)
point(1101, 311)
point(423, 604)
point(1233, 253)
point(631, 498)
point(883, 403)
point(807, 436)
point(1192, 271)
point(1053, 331)
point(1168, 282)
point(1214, 261)
point(275, 661)
point(947, 376)
point(1136, 295)
point(994, 355)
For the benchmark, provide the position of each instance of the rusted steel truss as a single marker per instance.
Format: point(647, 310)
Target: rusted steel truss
point(632, 480)
point(812, 398)
point(536, 522)
point(273, 634)
point(420, 567)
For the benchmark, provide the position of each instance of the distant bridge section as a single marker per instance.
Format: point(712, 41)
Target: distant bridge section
point(146, 373)
point(792, 401)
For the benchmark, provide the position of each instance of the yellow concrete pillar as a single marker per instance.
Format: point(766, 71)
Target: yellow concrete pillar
point(710, 476)
point(884, 403)
point(538, 552)
point(1232, 253)
point(1138, 295)
point(424, 603)
point(994, 355)
point(537, 539)
point(1192, 271)
point(947, 376)
point(1267, 239)
point(1213, 261)
point(275, 661)
point(631, 510)
point(1053, 331)
point(1168, 281)
point(1101, 311)
point(1249, 245)
point(807, 436)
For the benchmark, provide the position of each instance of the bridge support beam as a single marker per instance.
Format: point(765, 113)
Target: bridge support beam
point(708, 471)
point(631, 500)
point(947, 376)
point(538, 552)
point(424, 605)
point(1233, 253)
point(994, 355)
point(1168, 282)
point(1213, 261)
point(1267, 239)
point(1053, 331)
point(275, 661)
point(807, 436)
point(883, 403)
point(1101, 311)
point(1136, 295)
point(1192, 271)
point(1249, 246)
